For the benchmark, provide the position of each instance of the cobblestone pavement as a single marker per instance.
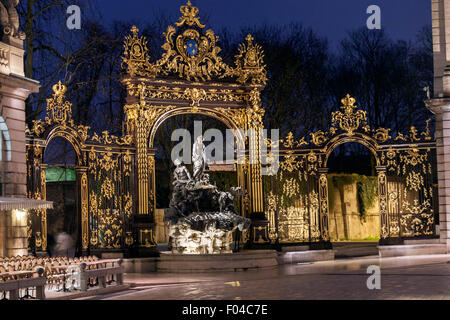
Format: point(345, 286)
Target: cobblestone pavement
point(423, 277)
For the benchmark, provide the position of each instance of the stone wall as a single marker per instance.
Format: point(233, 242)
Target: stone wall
point(12, 110)
point(14, 90)
point(161, 230)
point(440, 13)
point(344, 219)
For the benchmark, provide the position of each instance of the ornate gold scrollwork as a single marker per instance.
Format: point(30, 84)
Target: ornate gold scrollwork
point(255, 113)
point(60, 111)
point(382, 190)
point(289, 141)
point(84, 211)
point(195, 95)
point(192, 53)
point(129, 239)
point(110, 222)
point(382, 135)
point(136, 56)
point(290, 164)
point(323, 199)
point(189, 16)
point(318, 138)
point(249, 63)
point(349, 120)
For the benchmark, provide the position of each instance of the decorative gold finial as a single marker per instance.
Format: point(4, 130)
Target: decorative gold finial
point(136, 55)
point(249, 63)
point(58, 110)
point(348, 104)
point(59, 89)
point(189, 16)
point(135, 31)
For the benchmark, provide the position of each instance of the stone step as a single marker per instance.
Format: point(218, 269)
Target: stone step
point(305, 256)
point(411, 250)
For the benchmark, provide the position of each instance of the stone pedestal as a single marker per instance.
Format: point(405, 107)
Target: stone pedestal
point(196, 263)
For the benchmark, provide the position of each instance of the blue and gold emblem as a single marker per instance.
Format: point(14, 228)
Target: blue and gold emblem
point(192, 47)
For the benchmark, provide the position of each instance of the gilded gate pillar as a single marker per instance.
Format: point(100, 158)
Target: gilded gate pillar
point(323, 203)
point(140, 120)
point(383, 202)
point(259, 233)
point(36, 189)
point(143, 169)
point(42, 212)
point(254, 117)
point(152, 181)
point(83, 207)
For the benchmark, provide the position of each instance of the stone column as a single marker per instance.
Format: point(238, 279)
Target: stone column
point(16, 233)
point(441, 109)
point(440, 106)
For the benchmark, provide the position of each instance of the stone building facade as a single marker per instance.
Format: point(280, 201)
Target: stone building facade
point(14, 90)
point(440, 106)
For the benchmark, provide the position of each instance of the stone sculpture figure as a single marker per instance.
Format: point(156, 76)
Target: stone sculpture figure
point(181, 175)
point(9, 19)
point(198, 158)
point(226, 199)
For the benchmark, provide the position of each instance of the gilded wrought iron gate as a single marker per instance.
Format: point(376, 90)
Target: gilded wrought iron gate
point(410, 188)
point(296, 197)
point(104, 179)
point(295, 201)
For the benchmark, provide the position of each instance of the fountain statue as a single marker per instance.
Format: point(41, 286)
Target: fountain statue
point(201, 218)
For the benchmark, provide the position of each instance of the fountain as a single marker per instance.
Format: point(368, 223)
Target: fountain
point(201, 218)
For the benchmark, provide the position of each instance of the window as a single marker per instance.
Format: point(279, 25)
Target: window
point(5, 143)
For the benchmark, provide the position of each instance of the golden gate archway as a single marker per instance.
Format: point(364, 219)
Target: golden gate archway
point(116, 175)
point(296, 197)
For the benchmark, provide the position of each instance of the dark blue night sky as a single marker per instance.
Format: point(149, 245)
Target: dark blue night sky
point(402, 19)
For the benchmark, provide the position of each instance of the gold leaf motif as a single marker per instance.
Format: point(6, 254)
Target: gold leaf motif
point(290, 164)
point(249, 63)
point(107, 188)
point(136, 56)
point(382, 135)
point(318, 138)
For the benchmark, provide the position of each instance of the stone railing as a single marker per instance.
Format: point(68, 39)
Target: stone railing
point(24, 281)
point(60, 273)
point(100, 271)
